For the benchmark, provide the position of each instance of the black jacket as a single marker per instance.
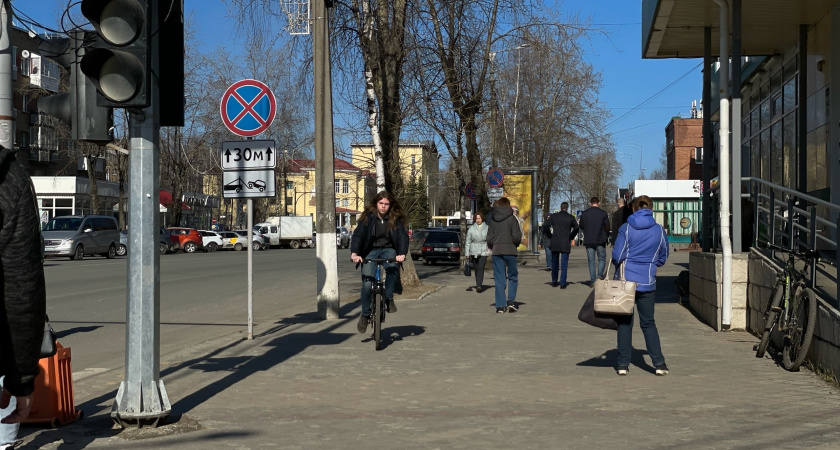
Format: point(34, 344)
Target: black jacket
point(619, 218)
point(22, 279)
point(362, 241)
point(595, 223)
point(561, 227)
point(505, 233)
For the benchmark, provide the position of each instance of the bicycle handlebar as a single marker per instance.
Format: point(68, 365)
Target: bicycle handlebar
point(378, 260)
point(804, 254)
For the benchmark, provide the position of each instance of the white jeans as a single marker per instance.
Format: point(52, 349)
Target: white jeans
point(8, 433)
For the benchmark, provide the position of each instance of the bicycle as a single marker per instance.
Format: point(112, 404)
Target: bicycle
point(377, 292)
point(792, 308)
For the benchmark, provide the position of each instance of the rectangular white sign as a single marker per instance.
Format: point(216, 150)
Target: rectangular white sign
point(248, 184)
point(253, 154)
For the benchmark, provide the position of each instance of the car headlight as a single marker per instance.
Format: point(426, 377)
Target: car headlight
point(66, 242)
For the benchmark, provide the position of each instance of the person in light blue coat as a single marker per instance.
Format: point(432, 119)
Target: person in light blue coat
point(641, 246)
point(477, 249)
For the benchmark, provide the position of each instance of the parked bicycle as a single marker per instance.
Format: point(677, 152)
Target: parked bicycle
point(792, 309)
point(377, 292)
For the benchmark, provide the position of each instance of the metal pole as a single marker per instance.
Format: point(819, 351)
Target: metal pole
point(327, 270)
point(7, 139)
point(706, 217)
point(735, 90)
point(250, 269)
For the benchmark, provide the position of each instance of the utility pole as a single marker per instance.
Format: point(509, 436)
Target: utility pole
point(7, 140)
point(327, 270)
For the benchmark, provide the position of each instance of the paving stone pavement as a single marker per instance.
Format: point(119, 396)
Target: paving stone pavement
point(456, 375)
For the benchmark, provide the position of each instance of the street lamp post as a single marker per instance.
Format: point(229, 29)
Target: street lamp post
point(625, 155)
point(515, 99)
point(640, 157)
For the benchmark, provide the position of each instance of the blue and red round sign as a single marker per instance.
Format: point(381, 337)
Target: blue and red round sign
point(495, 178)
point(248, 107)
point(469, 190)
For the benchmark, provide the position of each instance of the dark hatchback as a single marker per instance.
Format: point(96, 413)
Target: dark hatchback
point(441, 245)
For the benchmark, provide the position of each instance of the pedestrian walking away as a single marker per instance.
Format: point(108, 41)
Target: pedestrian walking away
point(619, 218)
point(641, 246)
point(503, 238)
point(379, 234)
point(543, 244)
point(595, 224)
point(24, 296)
point(477, 249)
point(561, 228)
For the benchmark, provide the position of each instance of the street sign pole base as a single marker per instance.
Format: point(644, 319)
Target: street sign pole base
point(149, 409)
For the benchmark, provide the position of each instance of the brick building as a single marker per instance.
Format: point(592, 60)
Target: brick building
point(684, 138)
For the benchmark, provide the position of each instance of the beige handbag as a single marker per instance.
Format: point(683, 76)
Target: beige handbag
point(615, 296)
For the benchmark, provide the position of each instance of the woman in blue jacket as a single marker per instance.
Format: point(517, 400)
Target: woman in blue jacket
point(641, 246)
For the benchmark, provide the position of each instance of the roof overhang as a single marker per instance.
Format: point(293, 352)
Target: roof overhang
point(674, 28)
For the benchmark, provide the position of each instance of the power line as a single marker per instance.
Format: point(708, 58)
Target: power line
point(649, 99)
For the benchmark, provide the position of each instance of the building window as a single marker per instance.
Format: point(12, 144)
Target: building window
point(290, 185)
point(337, 186)
point(345, 187)
point(345, 203)
point(698, 155)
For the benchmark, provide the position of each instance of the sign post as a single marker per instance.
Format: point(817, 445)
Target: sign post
point(247, 109)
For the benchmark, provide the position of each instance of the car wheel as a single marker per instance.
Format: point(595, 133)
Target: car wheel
point(414, 258)
point(256, 245)
point(295, 244)
point(190, 247)
point(212, 246)
point(121, 250)
point(79, 253)
point(112, 252)
point(162, 248)
point(237, 246)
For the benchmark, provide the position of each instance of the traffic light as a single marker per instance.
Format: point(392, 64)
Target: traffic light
point(120, 67)
point(76, 108)
point(138, 38)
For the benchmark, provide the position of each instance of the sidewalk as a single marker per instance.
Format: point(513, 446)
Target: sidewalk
point(454, 374)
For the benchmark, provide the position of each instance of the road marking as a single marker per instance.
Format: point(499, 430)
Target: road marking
point(89, 372)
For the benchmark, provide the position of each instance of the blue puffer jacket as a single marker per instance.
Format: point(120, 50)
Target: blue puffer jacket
point(642, 245)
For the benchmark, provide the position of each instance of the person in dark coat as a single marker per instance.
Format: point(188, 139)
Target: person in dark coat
point(503, 238)
point(380, 234)
point(595, 223)
point(561, 228)
point(24, 295)
point(619, 218)
point(544, 238)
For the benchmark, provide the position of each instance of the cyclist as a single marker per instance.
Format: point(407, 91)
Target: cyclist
point(380, 234)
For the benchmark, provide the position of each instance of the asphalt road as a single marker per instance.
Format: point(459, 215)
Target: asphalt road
point(203, 296)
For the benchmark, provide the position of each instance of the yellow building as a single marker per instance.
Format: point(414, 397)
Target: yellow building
point(420, 159)
point(354, 188)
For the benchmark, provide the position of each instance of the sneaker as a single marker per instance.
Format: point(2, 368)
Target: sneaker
point(478, 289)
point(661, 370)
point(511, 306)
point(622, 370)
point(564, 285)
point(363, 323)
point(390, 305)
point(501, 310)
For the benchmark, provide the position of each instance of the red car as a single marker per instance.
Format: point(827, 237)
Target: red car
point(187, 239)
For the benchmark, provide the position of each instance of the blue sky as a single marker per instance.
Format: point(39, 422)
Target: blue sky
point(628, 80)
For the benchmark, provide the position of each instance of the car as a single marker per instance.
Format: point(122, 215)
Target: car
point(231, 240)
point(187, 239)
point(441, 245)
point(77, 236)
point(210, 240)
point(342, 237)
point(164, 243)
point(259, 242)
point(415, 243)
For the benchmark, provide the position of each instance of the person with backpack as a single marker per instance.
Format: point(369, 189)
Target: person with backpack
point(503, 238)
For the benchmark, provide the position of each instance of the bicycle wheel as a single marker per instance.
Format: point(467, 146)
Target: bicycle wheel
point(800, 329)
point(377, 320)
point(770, 317)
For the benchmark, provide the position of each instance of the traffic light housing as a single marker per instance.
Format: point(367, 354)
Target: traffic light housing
point(76, 108)
point(138, 38)
point(120, 66)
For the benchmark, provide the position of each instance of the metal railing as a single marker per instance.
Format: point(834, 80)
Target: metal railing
point(797, 221)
